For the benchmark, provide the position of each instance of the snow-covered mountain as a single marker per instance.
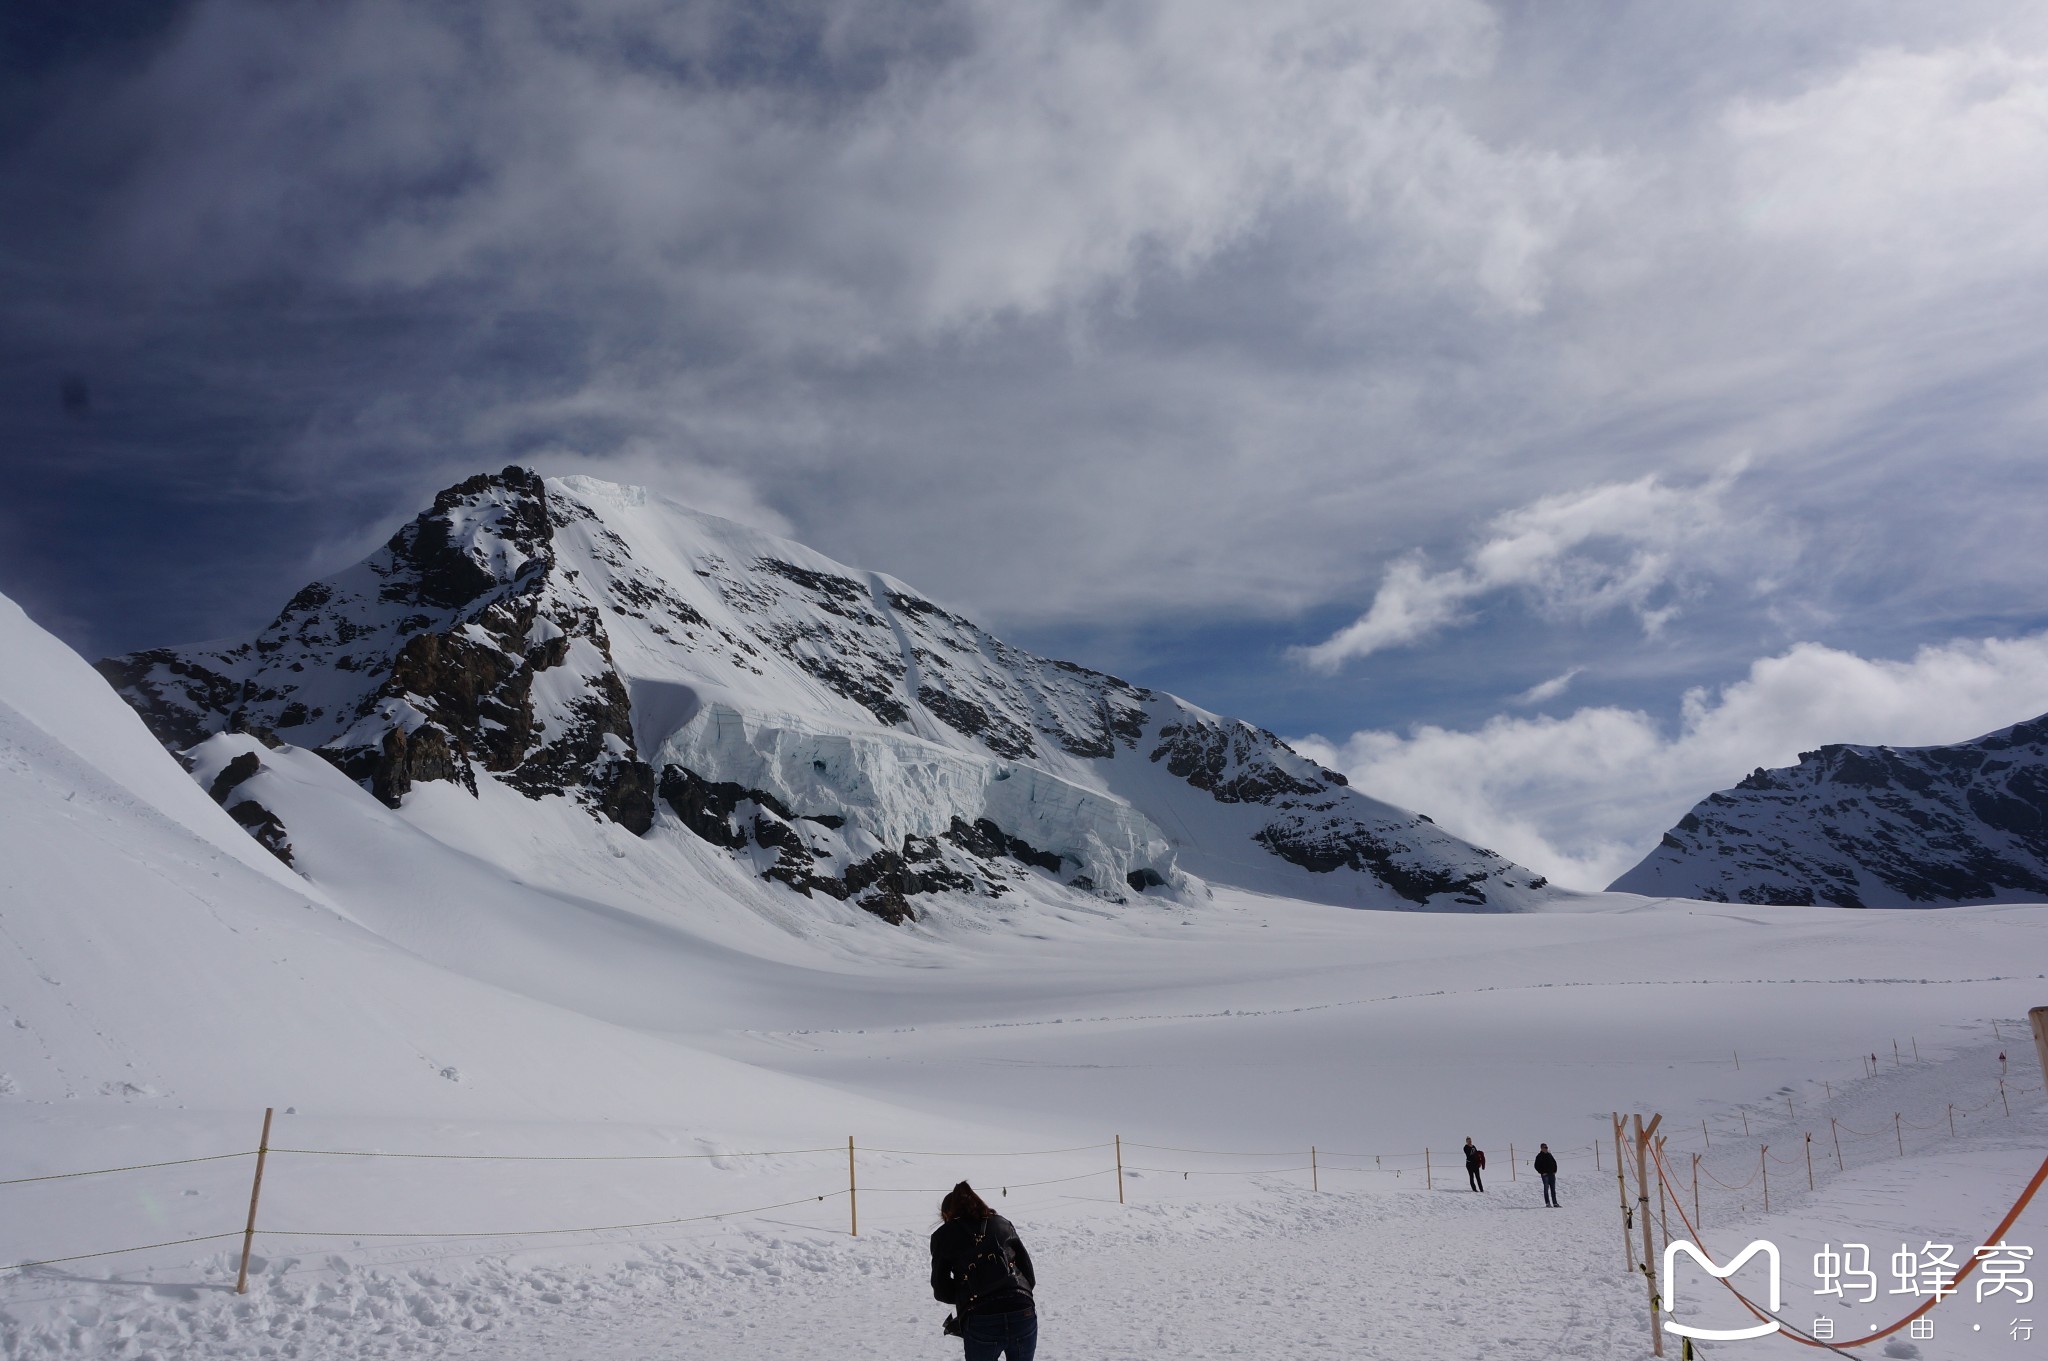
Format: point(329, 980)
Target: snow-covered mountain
point(156, 956)
point(1870, 827)
point(830, 730)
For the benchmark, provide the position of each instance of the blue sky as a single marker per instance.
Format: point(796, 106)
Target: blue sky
point(1463, 384)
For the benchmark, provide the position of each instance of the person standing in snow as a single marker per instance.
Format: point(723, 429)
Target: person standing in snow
point(1546, 1168)
point(1474, 1161)
point(980, 1267)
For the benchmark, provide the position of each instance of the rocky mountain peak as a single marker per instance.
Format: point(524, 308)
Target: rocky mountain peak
point(1870, 827)
point(832, 730)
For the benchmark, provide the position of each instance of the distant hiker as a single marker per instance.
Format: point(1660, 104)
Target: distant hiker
point(980, 1267)
point(1474, 1161)
point(1546, 1168)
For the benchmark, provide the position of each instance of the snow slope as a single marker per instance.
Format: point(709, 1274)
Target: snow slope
point(494, 974)
point(156, 956)
point(840, 733)
point(1870, 827)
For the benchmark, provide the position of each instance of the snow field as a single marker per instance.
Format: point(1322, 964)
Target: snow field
point(1266, 1268)
point(1221, 1262)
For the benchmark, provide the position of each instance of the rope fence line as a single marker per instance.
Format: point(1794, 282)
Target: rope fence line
point(1381, 1162)
point(116, 1252)
point(1996, 1235)
point(131, 1167)
point(1027, 1153)
point(248, 1234)
point(1006, 1186)
point(1738, 1186)
point(1198, 1172)
point(550, 1233)
point(551, 1157)
point(1238, 1153)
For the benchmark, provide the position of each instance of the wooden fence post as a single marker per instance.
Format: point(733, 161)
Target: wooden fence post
point(255, 1191)
point(2037, 1017)
point(1763, 1158)
point(1315, 1181)
point(1628, 1252)
point(1696, 1215)
point(1119, 1169)
point(1643, 1133)
point(1428, 1173)
point(1951, 1119)
point(1663, 1194)
point(852, 1193)
point(2001, 1098)
point(1836, 1135)
point(1899, 1134)
point(1511, 1162)
point(1809, 1160)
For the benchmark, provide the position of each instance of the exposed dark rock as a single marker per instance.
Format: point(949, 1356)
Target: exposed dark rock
point(964, 716)
point(627, 796)
point(832, 592)
point(232, 774)
point(985, 839)
point(264, 825)
point(1321, 849)
point(391, 768)
point(706, 807)
point(1144, 878)
point(180, 700)
point(1869, 826)
point(876, 698)
point(1233, 764)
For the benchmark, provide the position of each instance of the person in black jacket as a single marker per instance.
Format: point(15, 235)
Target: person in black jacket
point(1474, 1161)
point(1546, 1168)
point(980, 1267)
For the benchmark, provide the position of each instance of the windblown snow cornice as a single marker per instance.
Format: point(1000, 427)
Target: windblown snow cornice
point(1870, 827)
point(832, 728)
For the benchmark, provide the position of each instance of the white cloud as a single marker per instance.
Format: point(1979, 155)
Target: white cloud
point(1929, 157)
point(1541, 550)
point(1584, 797)
point(944, 166)
point(1545, 691)
point(1166, 310)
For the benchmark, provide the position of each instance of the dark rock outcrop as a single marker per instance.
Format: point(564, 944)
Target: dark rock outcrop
point(422, 664)
point(1869, 827)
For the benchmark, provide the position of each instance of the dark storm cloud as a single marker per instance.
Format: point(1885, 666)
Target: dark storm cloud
point(1115, 321)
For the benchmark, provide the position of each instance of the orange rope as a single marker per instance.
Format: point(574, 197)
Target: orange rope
point(1740, 1186)
point(1997, 1235)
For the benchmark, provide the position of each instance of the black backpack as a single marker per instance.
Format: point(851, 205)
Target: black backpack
point(990, 1268)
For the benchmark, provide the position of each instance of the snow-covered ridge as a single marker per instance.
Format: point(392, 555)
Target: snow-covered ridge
point(1870, 827)
point(833, 729)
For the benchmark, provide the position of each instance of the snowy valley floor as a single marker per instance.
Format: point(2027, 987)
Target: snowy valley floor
point(1257, 1027)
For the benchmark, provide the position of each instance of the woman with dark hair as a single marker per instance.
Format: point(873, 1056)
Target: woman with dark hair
point(980, 1267)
